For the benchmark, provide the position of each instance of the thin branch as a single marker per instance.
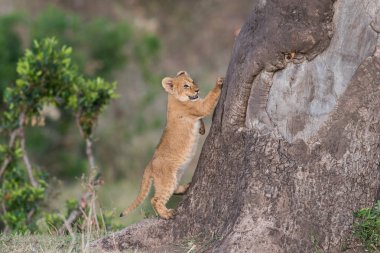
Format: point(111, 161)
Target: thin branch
point(90, 156)
point(88, 197)
point(89, 149)
point(11, 144)
point(25, 156)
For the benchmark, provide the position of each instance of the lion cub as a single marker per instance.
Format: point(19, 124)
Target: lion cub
point(178, 142)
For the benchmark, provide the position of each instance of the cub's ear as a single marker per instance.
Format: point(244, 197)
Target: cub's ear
point(182, 72)
point(167, 83)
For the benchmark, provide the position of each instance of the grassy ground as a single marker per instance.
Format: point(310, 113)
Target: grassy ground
point(34, 243)
point(45, 244)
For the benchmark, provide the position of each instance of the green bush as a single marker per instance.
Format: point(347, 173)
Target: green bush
point(20, 199)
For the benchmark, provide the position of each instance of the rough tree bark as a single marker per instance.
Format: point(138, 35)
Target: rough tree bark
point(294, 147)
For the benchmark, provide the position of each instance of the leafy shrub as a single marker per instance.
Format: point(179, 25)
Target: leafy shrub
point(47, 76)
point(21, 200)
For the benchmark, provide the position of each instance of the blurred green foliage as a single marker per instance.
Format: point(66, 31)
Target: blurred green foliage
point(46, 76)
point(99, 43)
point(9, 40)
point(101, 47)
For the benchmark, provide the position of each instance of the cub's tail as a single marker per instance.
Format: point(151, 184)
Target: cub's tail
point(144, 190)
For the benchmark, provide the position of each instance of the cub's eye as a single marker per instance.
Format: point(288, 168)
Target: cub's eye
point(186, 86)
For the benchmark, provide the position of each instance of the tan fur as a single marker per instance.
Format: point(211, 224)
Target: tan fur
point(178, 142)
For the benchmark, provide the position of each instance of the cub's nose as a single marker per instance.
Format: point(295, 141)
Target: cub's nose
point(197, 90)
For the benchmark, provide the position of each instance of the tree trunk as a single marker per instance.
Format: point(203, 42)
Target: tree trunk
point(294, 147)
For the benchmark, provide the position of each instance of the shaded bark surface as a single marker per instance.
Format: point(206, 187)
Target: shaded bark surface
point(294, 146)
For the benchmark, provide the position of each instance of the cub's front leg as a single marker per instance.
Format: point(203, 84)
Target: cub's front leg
point(205, 106)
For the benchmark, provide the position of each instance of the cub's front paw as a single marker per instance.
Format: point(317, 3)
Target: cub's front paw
point(219, 82)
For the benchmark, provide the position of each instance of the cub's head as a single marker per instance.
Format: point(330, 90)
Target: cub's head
point(181, 87)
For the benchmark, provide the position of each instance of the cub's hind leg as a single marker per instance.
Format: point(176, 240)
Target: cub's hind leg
point(181, 189)
point(164, 188)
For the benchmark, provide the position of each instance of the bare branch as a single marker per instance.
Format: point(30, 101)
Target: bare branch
point(89, 150)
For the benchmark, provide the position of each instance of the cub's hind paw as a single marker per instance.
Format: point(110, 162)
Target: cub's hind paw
point(181, 189)
point(167, 214)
